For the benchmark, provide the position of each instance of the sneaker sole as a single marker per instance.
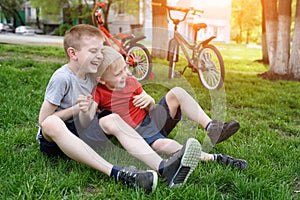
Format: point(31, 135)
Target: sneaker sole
point(155, 179)
point(189, 161)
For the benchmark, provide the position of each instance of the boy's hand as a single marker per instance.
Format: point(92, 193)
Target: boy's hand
point(143, 100)
point(84, 102)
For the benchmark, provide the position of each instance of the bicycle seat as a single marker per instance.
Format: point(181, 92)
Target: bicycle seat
point(124, 36)
point(198, 26)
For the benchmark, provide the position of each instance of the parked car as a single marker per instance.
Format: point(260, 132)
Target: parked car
point(1, 27)
point(24, 30)
point(6, 28)
point(9, 28)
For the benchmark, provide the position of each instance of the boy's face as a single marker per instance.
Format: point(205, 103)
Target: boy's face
point(114, 78)
point(90, 56)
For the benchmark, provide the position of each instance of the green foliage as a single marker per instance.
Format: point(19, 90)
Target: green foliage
point(11, 9)
point(246, 21)
point(129, 7)
point(49, 8)
point(268, 139)
point(62, 29)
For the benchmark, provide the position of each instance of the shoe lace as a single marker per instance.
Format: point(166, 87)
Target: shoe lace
point(127, 177)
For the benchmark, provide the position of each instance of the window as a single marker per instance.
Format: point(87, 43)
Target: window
point(29, 12)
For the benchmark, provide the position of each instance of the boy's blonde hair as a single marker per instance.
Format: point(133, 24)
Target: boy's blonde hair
point(74, 36)
point(110, 56)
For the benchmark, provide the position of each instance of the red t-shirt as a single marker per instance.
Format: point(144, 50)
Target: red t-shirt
point(120, 101)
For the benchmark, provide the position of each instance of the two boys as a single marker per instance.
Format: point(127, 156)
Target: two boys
point(64, 115)
point(60, 127)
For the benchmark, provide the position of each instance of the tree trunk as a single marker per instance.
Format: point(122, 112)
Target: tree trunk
point(270, 11)
point(106, 13)
point(80, 12)
point(159, 30)
point(38, 24)
point(294, 64)
point(265, 57)
point(281, 60)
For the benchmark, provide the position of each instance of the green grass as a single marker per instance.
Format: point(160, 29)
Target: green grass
point(268, 139)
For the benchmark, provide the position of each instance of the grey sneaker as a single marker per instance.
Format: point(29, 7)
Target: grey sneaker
point(233, 162)
point(132, 177)
point(219, 131)
point(181, 164)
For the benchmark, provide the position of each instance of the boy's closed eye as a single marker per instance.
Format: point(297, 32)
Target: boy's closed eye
point(120, 72)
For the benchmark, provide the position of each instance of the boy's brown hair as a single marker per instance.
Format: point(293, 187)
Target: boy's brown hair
point(74, 35)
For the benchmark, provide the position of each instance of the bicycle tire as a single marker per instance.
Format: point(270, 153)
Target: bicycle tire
point(173, 51)
point(143, 61)
point(211, 67)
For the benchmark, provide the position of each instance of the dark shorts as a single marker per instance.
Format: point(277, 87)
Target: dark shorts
point(92, 135)
point(158, 123)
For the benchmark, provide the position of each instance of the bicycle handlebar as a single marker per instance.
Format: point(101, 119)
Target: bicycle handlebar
point(95, 13)
point(101, 5)
point(186, 10)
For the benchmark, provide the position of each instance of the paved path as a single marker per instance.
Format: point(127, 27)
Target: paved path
point(42, 40)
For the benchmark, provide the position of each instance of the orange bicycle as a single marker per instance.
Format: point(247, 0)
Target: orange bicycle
point(136, 55)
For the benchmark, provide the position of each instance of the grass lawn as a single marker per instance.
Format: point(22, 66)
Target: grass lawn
point(269, 113)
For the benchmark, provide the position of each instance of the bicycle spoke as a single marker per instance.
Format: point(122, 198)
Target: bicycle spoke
point(215, 77)
point(211, 69)
point(140, 66)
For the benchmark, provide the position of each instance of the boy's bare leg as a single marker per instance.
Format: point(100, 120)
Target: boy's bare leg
point(166, 146)
point(179, 97)
point(170, 146)
point(54, 129)
point(130, 140)
point(216, 131)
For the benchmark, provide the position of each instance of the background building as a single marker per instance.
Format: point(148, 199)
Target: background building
point(139, 20)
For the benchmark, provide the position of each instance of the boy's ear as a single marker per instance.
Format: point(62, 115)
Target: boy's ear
point(100, 80)
point(72, 53)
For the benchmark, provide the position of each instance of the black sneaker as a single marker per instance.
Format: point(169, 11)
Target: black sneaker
point(220, 131)
point(233, 162)
point(179, 166)
point(132, 177)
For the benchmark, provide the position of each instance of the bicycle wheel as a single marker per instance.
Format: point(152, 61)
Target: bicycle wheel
point(210, 67)
point(141, 65)
point(173, 50)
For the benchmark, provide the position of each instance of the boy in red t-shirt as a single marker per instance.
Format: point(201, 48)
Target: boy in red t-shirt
point(124, 95)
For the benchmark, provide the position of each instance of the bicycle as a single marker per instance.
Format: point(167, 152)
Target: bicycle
point(136, 55)
point(205, 58)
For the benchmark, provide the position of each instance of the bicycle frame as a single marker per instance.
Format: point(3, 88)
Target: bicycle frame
point(205, 59)
point(108, 36)
point(184, 45)
point(181, 41)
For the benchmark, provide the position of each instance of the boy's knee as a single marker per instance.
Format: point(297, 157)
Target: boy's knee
point(178, 90)
point(178, 93)
point(51, 123)
point(109, 123)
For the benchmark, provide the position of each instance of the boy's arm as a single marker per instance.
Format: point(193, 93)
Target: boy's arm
point(48, 109)
point(88, 109)
point(144, 101)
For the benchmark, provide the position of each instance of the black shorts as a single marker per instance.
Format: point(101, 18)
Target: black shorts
point(93, 135)
point(158, 123)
